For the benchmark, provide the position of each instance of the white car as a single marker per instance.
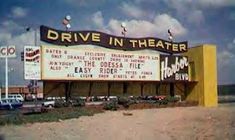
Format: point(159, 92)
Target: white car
point(16, 96)
point(49, 103)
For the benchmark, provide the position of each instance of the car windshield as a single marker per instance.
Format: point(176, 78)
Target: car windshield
point(13, 100)
point(4, 101)
point(10, 100)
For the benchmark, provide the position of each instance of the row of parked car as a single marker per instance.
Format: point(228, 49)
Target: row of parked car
point(10, 104)
point(14, 101)
point(28, 97)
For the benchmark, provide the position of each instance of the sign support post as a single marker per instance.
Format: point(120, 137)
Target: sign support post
point(5, 52)
point(6, 76)
point(0, 91)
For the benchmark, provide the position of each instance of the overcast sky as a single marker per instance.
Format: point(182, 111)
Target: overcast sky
point(197, 21)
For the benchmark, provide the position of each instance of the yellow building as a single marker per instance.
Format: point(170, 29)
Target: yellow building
point(203, 71)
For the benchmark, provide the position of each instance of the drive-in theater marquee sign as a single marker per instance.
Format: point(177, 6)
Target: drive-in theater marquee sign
point(73, 64)
point(65, 63)
point(109, 41)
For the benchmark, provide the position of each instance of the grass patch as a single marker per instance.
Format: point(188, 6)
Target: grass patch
point(16, 117)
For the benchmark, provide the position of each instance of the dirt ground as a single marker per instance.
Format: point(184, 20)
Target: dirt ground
point(179, 123)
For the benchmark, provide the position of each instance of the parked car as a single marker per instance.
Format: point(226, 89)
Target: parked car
point(48, 103)
point(54, 98)
point(16, 96)
point(30, 97)
point(159, 97)
point(39, 96)
point(10, 104)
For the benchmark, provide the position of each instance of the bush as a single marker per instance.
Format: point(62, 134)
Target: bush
point(66, 104)
point(95, 99)
point(74, 103)
point(173, 99)
point(111, 106)
point(78, 103)
point(124, 101)
point(169, 99)
point(133, 100)
point(59, 103)
point(163, 101)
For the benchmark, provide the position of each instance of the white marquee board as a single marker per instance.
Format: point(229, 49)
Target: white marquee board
point(64, 63)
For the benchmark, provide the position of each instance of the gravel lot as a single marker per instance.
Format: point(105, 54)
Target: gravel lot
point(183, 123)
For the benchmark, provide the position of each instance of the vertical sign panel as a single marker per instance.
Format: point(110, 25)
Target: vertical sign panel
point(174, 68)
point(32, 62)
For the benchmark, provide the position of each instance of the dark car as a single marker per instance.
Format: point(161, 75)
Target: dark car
point(30, 97)
point(10, 104)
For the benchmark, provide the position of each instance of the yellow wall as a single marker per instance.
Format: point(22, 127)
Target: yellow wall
point(203, 70)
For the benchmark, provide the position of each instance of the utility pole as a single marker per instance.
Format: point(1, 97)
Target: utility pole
point(6, 76)
point(172, 87)
point(35, 81)
point(124, 31)
point(66, 23)
point(0, 91)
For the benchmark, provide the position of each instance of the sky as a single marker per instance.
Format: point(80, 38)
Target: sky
point(195, 21)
